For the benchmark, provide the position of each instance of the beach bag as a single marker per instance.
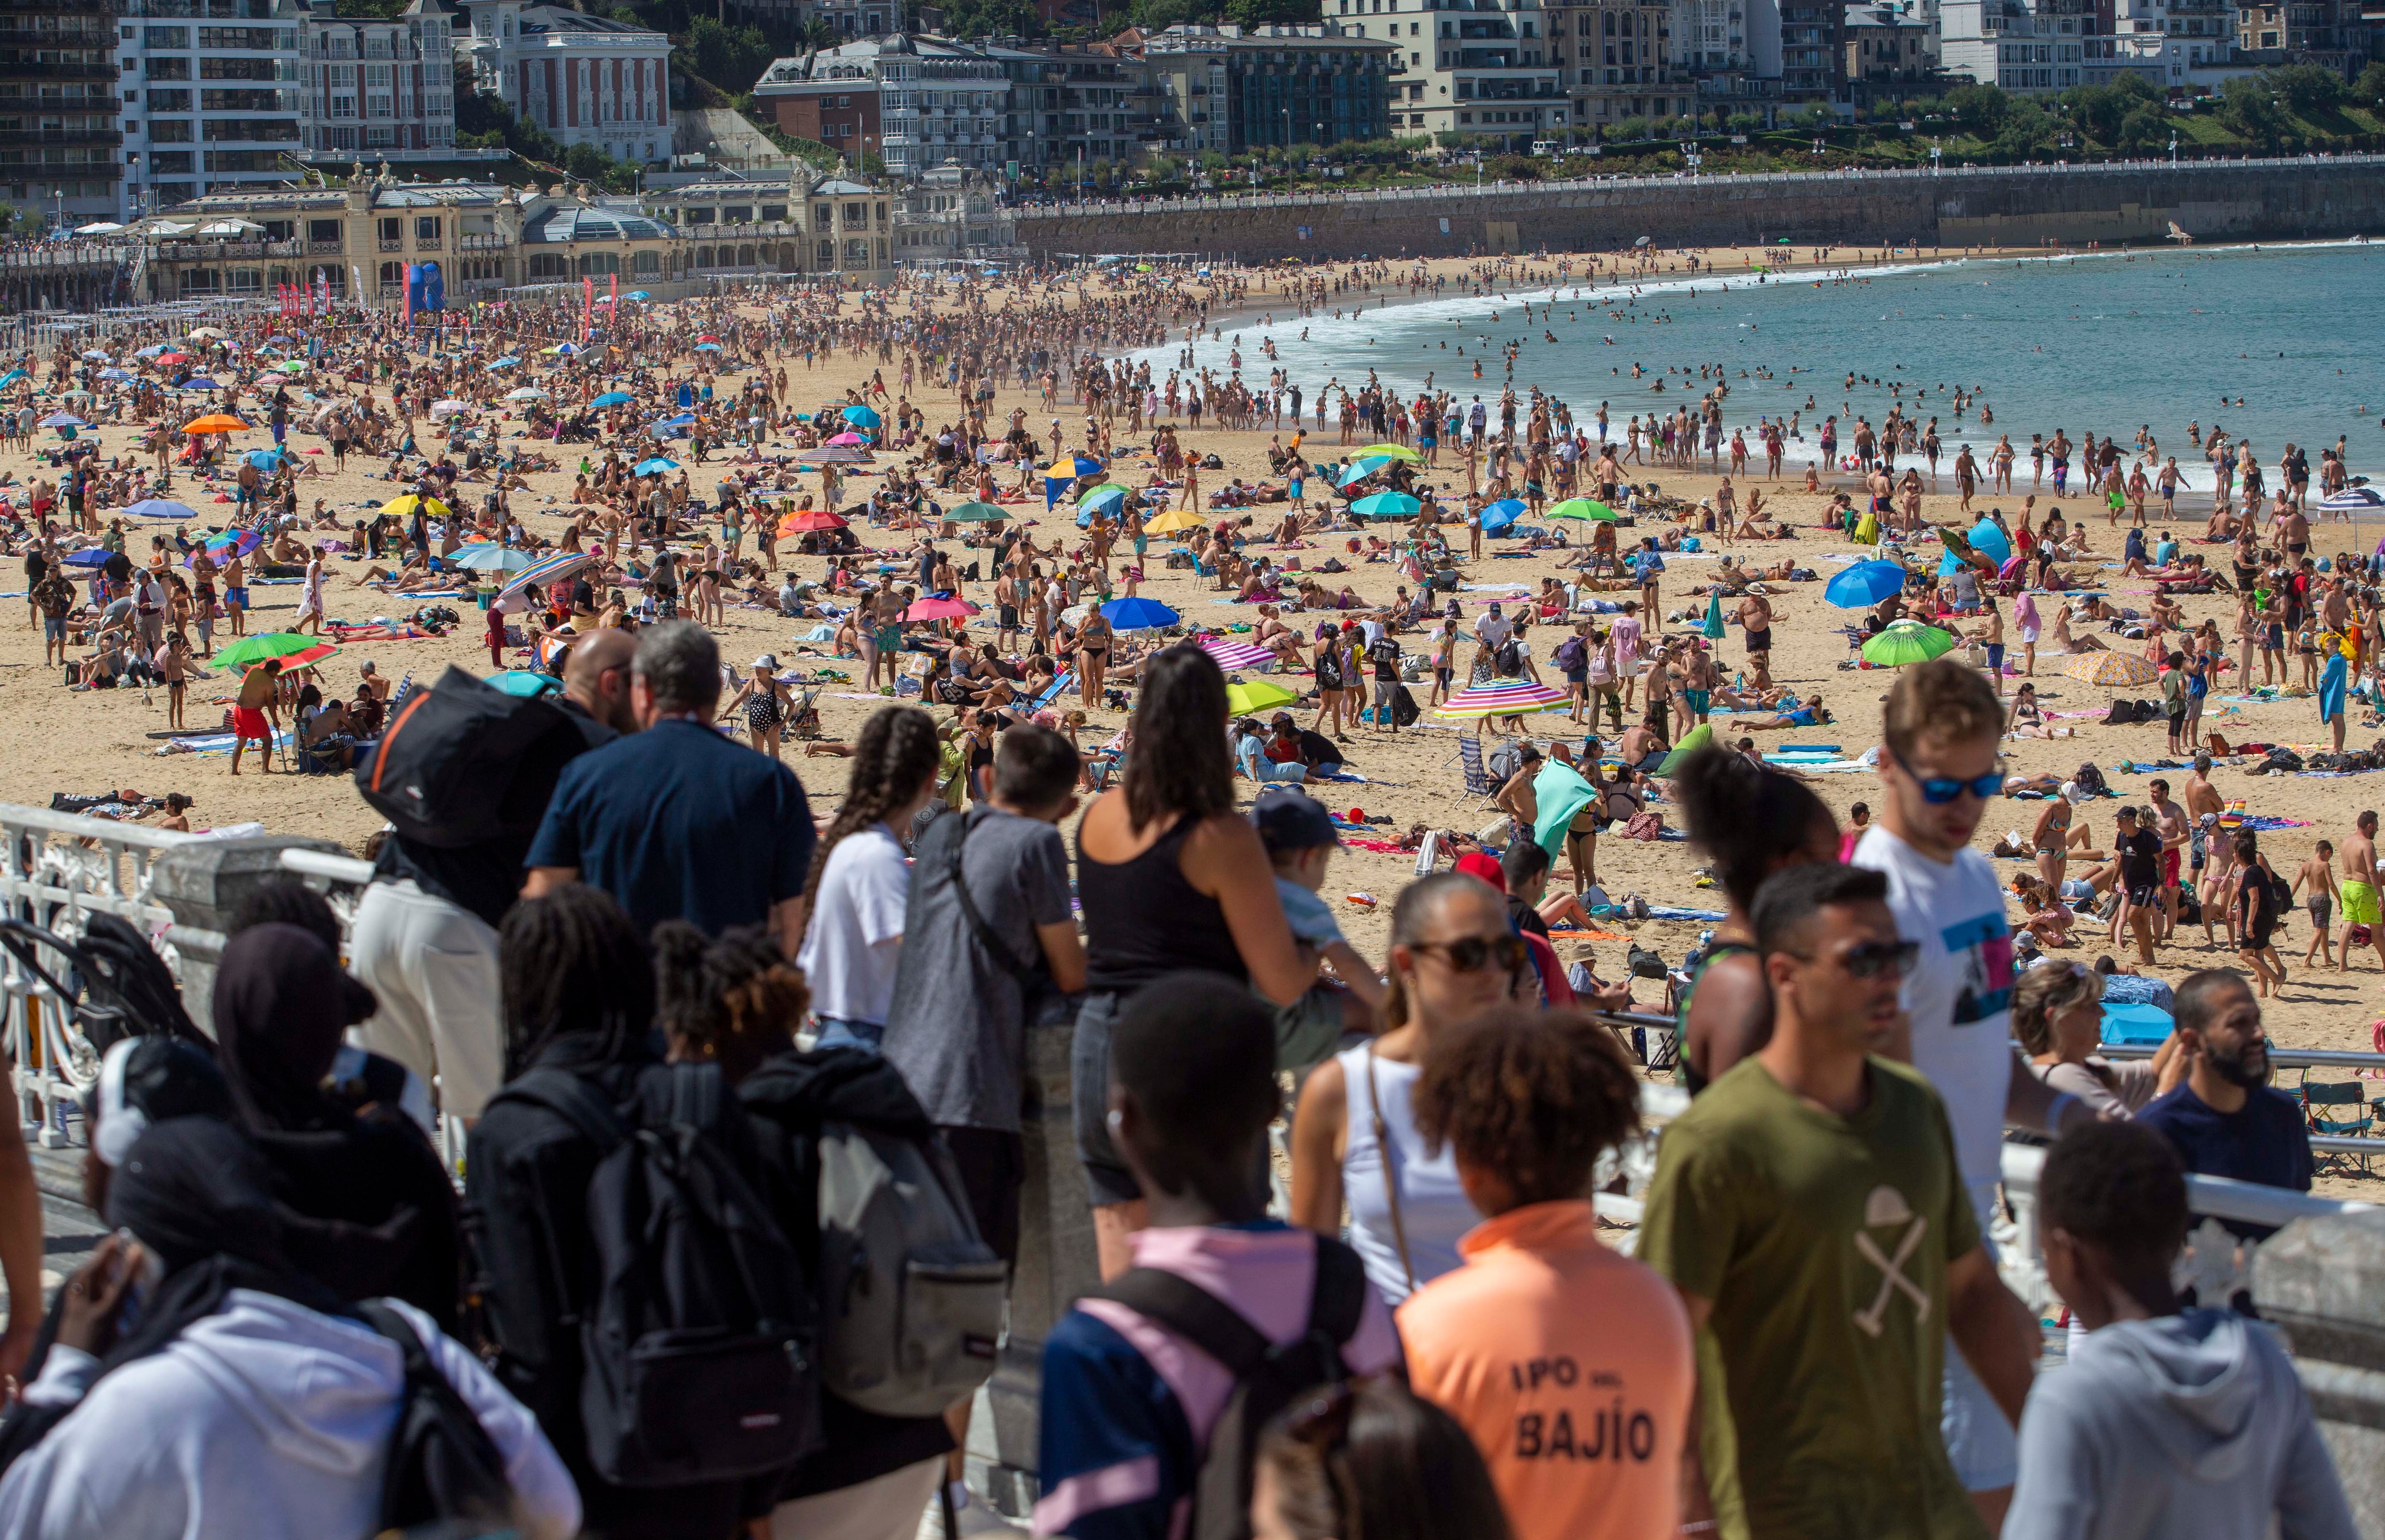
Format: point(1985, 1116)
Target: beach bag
point(1646, 824)
point(911, 1299)
point(2090, 779)
point(696, 1357)
point(463, 763)
point(1644, 964)
point(1267, 1378)
point(443, 1471)
point(1403, 708)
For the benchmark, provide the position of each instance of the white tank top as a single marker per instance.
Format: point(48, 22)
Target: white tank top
point(1434, 1210)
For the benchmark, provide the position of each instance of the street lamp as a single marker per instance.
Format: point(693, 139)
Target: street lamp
point(1937, 156)
point(2173, 146)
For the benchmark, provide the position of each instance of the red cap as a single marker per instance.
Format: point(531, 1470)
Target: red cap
point(1480, 864)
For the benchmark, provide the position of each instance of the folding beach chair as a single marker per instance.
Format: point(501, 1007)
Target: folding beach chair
point(2349, 1099)
point(1480, 786)
point(1059, 687)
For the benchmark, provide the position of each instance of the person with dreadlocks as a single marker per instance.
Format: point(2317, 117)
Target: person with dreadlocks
point(860, 885)
point(736, 1002)
point(577, 995)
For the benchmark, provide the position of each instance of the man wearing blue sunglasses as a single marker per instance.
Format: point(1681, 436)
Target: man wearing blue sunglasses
point(1940, 766)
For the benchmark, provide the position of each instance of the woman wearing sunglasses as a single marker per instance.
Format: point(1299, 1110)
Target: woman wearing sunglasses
point(1354, 1134)
point(1365, 1457)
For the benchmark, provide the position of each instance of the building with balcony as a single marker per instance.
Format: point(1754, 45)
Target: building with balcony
point(211, 97)
point(586, 79)
point(1230, 90)
point(1888, 45)
point(840, 111)
point(59, 139)
point(1615, 58)
point(807, 225)
point(1482, 70)
point(2027, 46)
point(953, 214)
point(2338, 35)
point(2174, 44)
point(378, 89)
point(932, 99)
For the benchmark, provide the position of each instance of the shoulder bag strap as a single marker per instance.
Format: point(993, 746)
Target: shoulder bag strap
point(1027, 974)
point(1338, 1300)
point(1192, 1314)
point(572, 1098)
point(1391, 1171)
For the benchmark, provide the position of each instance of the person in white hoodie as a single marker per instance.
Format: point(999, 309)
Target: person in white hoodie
point(2184, 1424)
point(203, 1388)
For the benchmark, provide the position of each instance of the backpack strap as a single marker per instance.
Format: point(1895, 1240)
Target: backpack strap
point(1192, 1314)
point(695, 1095)
point(573, 1100)
point(1337, 1302)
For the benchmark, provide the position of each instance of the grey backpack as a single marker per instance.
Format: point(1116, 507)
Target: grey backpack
point(911, 1300)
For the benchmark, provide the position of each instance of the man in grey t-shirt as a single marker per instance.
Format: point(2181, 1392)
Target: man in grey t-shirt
point(956, 1027)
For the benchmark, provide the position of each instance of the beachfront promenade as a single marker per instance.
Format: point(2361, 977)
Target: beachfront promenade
point(2321, 1280)
point(2273, 198)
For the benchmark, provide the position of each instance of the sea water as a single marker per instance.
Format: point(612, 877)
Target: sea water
point(2108, 342)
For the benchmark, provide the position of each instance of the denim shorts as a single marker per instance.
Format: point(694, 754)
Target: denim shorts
point(1980, 1442)
point(844, 1032)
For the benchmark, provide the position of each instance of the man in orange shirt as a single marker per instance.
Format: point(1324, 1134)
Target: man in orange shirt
point(1569, 1363)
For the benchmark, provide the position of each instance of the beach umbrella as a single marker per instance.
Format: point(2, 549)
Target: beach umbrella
point(836, 455)
point(1583, 507)
point(708, 347)
point(977, 512)
point(291, 366)
point(561, 565)
point(1499, 516)
point(92, 555)
point(1357, 473)
point(936, 607)
point(257, 649)
point(1074, 467)
point(1105, 497)
point(309, 658)
point(614, 398)
point(266, 459)
point(216, 422)
point(527, 393)
point(1234, 656)
point(173, 357)
point(161, 507)
point(230, 543)
point(1713, 629)
point(12, 377)
point(2112, 668)
point(564, 350)
point(203, 333)
point(196, 382)
point(1254, 696)
point(1387, 505)
point(1907, 642)
point(1174, 521)
point(153, 351)
point(806, 522)
point(1863, 585)
point(1697, 738)
point(524, 682)
point(403, 504)
point(1139, 613)
point(2352, 499)
point(94, 355)
point(1559, 793)
point(848, 439)
point(1388, 452)
point(442, 410)
point(862, 416)
point(635, 294)
point(655, 467)
point(112, 374)
point(1991, 543)
point(1501, 698)
point(63, 420)
point(508, 362)
point(491, 558)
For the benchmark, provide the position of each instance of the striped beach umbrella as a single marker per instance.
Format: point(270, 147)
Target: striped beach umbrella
point(1501, 698)
point(546, 571)
point(1235, 656)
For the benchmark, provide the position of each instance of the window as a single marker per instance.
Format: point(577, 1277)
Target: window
point(170, 101)
point(549, 264)
point(167, 163)
point(171, 131)
point(426, 229)
point(323, 230)
point(646, 264)
point(169, 69)
point(165, 37)
point(855, 213)
point(774, 213)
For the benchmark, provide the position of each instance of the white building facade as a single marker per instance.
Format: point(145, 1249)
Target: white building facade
point(375, 89)
point(211, 99)
point(2027, 46)
point(586, 79)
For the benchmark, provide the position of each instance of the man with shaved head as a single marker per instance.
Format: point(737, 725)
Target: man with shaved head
point(596, 685)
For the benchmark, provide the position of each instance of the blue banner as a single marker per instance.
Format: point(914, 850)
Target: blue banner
point(426, 289)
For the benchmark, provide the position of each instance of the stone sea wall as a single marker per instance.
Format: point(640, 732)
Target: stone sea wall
point(2243, 200)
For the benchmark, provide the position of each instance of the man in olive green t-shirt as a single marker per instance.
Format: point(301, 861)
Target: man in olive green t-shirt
point(1809, 1210)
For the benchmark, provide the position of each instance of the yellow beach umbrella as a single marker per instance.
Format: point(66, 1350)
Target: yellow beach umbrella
point(1255, 696)
point(1174, 521)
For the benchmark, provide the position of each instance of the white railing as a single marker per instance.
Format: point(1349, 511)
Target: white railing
point(58, 868)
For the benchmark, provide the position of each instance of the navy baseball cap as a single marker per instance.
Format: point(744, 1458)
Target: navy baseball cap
point(1292, 821)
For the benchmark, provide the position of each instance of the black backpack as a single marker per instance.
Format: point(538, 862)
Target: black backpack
point(463, 762)
point(1403, 708)
point(1267, 1378)
point(444, 1469)
point(696, 1348)
point(1509, 660)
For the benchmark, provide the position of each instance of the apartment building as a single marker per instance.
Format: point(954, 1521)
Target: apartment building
point(1889, 46)
point(1615, 59)
point(841, 112)
point(1484, 69)
point(736, 228)
point(59, 138)
point(2025, 46)
point(377, 88)
point(2185, 45)
point(211, 97)
point(586, 79)
point(1230, 90)
point(2336, 33)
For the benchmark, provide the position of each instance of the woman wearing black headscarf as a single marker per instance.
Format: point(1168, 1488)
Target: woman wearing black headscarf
point(282, 1004)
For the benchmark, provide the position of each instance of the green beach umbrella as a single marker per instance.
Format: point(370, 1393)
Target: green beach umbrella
point(254, 649)
point(1713, 627)
point(1388, 452)
point(1583, 507)
point(1907, 642)
point(977, 512)
point(1699, 737)
point(1559, 793)
point(1257, 695)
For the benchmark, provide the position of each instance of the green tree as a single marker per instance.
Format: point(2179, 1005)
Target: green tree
point(1275, 13)
point(2143, 132)
point(2370, 87)
point(975, 19)
point(2028, 129)
point(1982, 109)
point(2305, 88)
point(2247, 109)
point(1629, 131)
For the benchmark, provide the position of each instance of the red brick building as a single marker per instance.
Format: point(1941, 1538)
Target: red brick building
point(841, 113)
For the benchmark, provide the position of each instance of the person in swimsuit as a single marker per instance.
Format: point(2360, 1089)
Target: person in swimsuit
point(765, 701)
point(2026, 718)
point(1093, 641)
point(257, 713)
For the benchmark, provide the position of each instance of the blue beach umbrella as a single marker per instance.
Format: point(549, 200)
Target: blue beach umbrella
point(115, 374)
point(708, 347)
point(492, 558)
point(1386, 505)
point(163, 508)
point(89, 557)
point(64, 419)
point(524, 682)
point(635, 294)
point(196, 382)
point(1139, 613)
point(1863, 585)
point(614, 398)
point(655, 467)
point(508, 362)
point(1501, 517)
point(1988, 541)
point(862, 416)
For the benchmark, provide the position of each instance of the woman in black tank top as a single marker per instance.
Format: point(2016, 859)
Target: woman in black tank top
point(1171, 879)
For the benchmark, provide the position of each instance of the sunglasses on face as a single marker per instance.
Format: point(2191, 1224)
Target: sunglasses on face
point(1871, 958)
point(1468, 953)
point(1941, 790)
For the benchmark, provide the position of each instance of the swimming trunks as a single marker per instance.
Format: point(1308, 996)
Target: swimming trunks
point(1759, 641)
point(248, 722)
point(2359, 902)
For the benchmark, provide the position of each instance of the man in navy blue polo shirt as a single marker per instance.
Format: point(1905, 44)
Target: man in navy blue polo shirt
point(2227, 1121)
point(675, 821)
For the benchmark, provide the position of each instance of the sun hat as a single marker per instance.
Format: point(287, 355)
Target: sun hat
point(768, 660)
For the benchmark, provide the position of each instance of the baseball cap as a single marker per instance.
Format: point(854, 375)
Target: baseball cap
point(1291, 820)
point(1485, 868)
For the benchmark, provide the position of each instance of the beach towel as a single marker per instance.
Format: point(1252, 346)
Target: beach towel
point(214, 743)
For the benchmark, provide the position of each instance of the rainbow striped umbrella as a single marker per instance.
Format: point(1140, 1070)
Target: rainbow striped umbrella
point(545, 572)
point(1501, 698)
point(1233, 656)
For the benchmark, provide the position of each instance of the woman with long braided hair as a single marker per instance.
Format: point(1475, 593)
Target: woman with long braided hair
point(859, 885)
point(731, 1003)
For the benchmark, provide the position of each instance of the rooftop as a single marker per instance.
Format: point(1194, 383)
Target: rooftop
point(575, 222)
